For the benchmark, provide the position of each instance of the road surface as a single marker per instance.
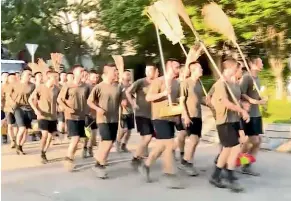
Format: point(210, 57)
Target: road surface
point(25, 178)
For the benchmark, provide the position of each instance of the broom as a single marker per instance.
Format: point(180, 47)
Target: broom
point(118, 59)
point(56, 60)
point(162, 13)
point(180, 9)
point(218, 21)
point(34, 67)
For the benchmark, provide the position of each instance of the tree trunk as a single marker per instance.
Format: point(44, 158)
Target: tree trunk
point(277, 66)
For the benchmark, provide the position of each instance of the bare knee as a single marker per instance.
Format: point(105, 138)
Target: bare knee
point(255, 140)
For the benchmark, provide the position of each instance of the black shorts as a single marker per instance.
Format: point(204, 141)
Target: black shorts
point(2, 115)
point(254, 127)
point(179, 123)
point(195, 127)
point(228, 134)
point(164, 129)
point(47, 125)
point(127, 121)
point(108, 131)
point(23, 118)
point(76, 128)
point(10, 118)
point(90, 122)
point(61, 117)
point(144, 126)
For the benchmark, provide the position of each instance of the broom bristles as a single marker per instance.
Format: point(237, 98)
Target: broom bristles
point(118, 59)
point(34, 67)
point(217, 20)
point(169, 11)
point(163, 14)
point(56, 59)
point(180, 8)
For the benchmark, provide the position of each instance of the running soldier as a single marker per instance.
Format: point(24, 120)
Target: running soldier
point(90, 120)
point(254, 128)
point(7, 104)
point(127, 116)
point(142, 111)
point(22, 110)
point(43, 101)
point(73, 99)
point(228, 125)
point(105, 99)
point(192, 92)
point(164, 126)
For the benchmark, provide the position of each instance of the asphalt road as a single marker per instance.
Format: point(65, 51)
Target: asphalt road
point(25, 178)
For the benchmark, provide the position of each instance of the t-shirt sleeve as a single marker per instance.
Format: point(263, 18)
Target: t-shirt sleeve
point(220, 90)
point(63, 93)
point(135, 87)
point(154, 87)
point(36, 93)
point(93, 97)
point(244, 84)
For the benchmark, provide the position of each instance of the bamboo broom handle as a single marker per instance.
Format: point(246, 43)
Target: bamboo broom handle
point(248, 68)
point(163, 63)
point(185, 52)
point(214, 65)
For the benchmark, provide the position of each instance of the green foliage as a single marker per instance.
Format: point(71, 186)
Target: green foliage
point(34, 21)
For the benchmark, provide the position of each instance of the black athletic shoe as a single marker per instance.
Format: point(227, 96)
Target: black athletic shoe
point(69, 164)
point(123, 148)
point(145, 172)
point(13, 145)
point(188, 168)
point(224, 175)
point(100, 171)
point(90, 152)
point(249, 171)
point(4, 139)
point(217, 182)
point(44, 160)
point(19, 150)
point(135, 163)
point(84, 152)
point(234, 186)
point(173, 181)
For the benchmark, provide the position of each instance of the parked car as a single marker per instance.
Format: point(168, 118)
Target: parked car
point(11, 66)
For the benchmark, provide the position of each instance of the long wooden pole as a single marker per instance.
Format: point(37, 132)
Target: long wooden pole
point(163, 63)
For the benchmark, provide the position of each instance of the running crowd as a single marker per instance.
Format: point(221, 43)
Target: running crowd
point(75, 101)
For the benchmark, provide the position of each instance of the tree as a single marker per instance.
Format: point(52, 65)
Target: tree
point(126, 20)
point(41, 22)
point(268, 22)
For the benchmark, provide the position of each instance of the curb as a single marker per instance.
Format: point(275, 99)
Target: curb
point(285, 147)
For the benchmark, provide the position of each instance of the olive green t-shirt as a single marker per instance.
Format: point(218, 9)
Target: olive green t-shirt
point(75, 97)
point(247, 87)
point(140, 88)
point(158, 86)
point(92, 112)
point(46, 101)
point(224, 115)
point(21, 93)
point(128, 109)
point(193, 93)
point(108, 97)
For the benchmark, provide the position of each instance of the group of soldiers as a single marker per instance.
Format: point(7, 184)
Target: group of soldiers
point(71, 102)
